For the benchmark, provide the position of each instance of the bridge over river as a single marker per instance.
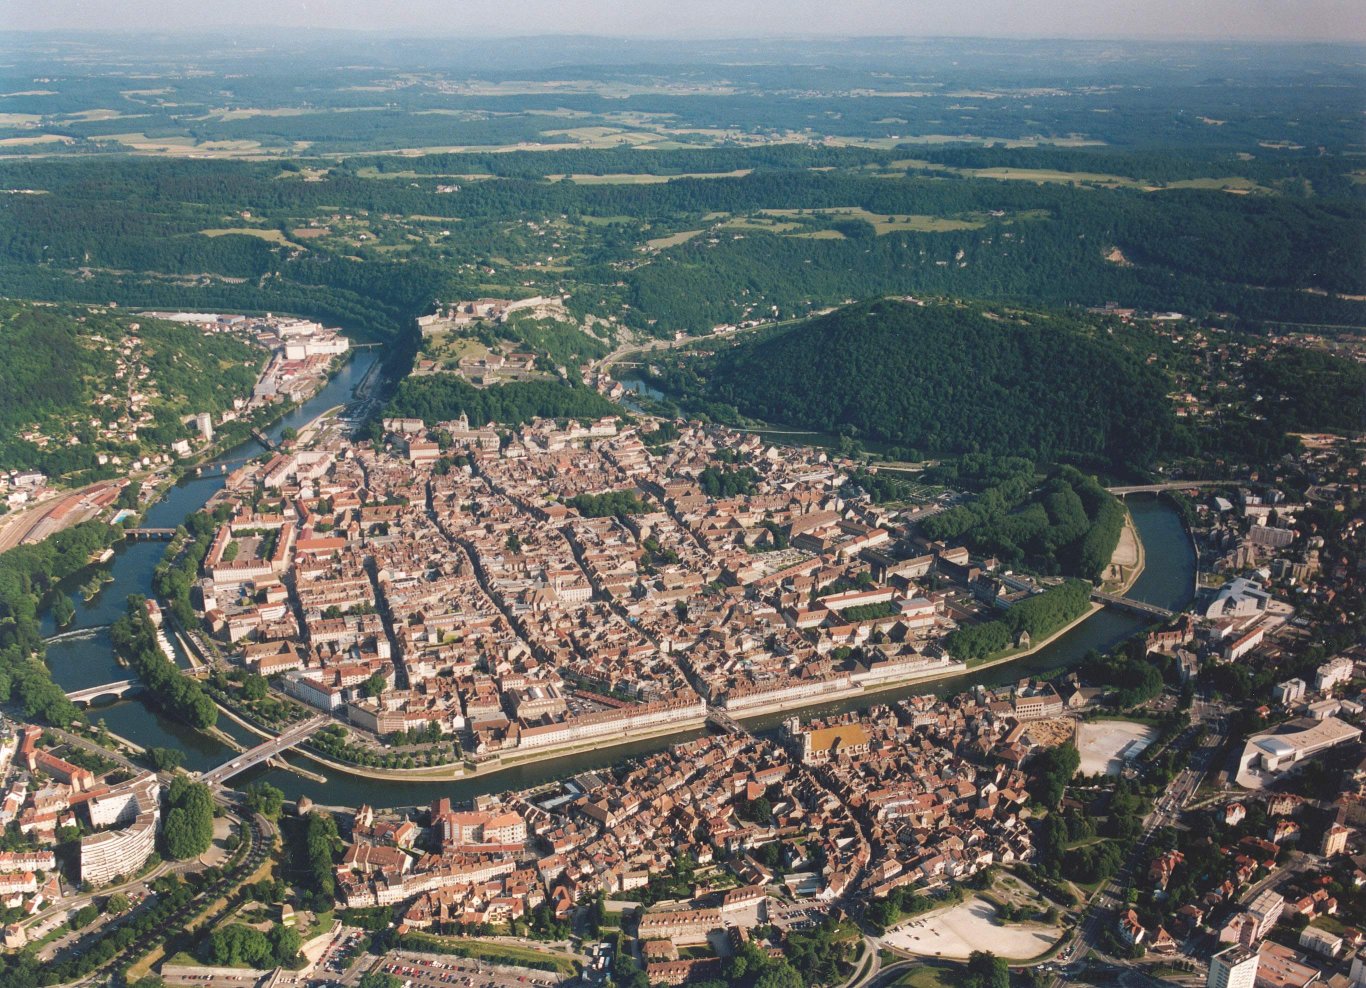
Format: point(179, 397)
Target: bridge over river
point(1170, 485)
point(149, 534)
point(92, 693)
point(264, 751)
point(1139, 607)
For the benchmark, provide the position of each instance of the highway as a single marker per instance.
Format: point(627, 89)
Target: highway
point(1171, 485)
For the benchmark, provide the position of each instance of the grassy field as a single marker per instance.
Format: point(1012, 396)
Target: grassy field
point(1231, 183)
point(1049, 175)
point(451, 346)
point(885, 223)
point(1226, 183)
point(759, 223)
point(370, 171)
point(673, 240)
point(927, 977)
point(632, 178)
point(274, 236)
point(189, 146)
point(35, 139)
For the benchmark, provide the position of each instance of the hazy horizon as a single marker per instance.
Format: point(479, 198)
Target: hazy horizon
point(1105, 20)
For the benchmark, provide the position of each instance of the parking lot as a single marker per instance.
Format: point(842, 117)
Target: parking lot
point(427, 971)
point(339, 954)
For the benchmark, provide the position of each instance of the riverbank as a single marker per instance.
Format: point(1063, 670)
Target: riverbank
point(233, 438)
point(857, 690)
point(1134, 551)
point(1129, 557)
point(466, 770)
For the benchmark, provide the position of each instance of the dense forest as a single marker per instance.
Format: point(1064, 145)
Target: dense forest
point(952, 378)
point(27, 574)
point(1310, 391)
point(768, 236)
point(1069, 524)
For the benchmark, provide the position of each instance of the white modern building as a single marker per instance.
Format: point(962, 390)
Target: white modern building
point(113, 853)
point(1267, 755)
point(1233, 968)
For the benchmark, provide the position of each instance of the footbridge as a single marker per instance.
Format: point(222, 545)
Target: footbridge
point(91, 693)
point(1139, 607)
point(264, 751)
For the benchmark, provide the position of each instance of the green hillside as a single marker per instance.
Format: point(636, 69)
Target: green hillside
point(77, 382)
point(953, 378)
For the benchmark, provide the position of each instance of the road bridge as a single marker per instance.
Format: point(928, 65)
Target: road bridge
point(149, 534)
point(1171, 485)
point(91, 693)
point(724, 721)
point(264, 751)
point(1139, 607)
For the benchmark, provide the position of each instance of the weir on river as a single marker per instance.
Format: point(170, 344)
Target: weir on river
point(81, 656)
point(79, 634)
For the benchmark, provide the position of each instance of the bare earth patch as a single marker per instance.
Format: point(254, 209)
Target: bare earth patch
point(1100, 744)
point(957, 932)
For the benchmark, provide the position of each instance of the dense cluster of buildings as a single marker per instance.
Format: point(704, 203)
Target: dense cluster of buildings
point(47, 798)
point(895, 797)
point(302, 353)
point(913, 774)
point(565, 583)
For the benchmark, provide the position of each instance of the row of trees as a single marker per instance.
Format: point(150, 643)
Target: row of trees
point(314, 851)
point(444, 397)
point(184, 698)
point(23, 970)
point(174, 577)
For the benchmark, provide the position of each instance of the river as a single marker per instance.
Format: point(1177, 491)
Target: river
point(86, 660)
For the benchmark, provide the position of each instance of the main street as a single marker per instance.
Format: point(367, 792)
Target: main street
point(1110, 897)
point(260, 833)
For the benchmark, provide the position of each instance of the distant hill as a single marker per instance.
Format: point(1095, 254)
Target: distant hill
point(953, 378)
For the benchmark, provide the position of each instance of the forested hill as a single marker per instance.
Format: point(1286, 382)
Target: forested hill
point(77, 382)
point(950, 378)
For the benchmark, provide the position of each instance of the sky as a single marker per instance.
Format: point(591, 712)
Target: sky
point(1282, 20)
